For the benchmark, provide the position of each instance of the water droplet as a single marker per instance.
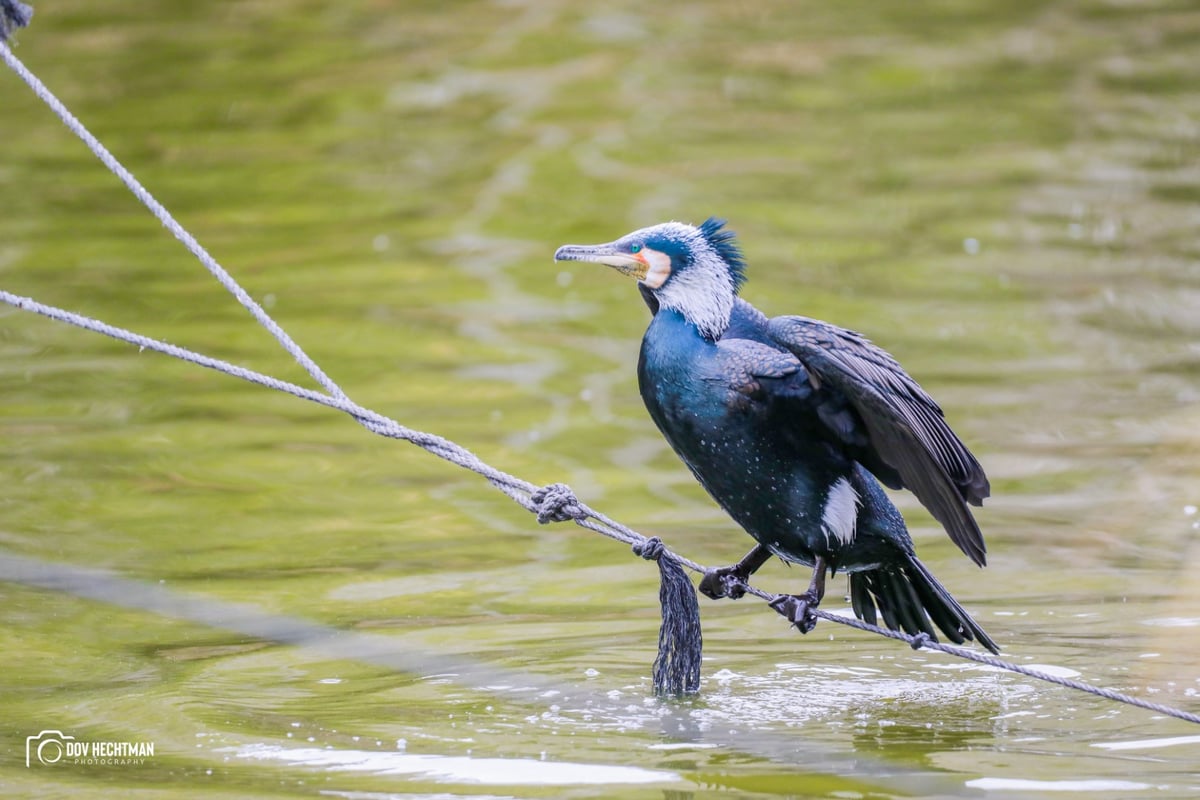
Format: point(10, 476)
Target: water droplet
point(971, 246)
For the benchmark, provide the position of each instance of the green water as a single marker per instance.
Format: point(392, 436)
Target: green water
point(1005, 195)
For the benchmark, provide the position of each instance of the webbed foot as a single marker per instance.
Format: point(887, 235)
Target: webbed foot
point(798, 608)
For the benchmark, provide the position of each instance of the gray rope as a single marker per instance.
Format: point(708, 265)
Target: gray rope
point(552, 503)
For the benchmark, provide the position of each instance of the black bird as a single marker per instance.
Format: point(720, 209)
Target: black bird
point(790, 424)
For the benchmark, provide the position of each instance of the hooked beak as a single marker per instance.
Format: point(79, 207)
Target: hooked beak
point(634, 265)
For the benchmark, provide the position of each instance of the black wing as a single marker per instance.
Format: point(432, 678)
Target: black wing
point(905, 427)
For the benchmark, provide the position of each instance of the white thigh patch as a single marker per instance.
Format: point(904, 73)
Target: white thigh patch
point(840, 516)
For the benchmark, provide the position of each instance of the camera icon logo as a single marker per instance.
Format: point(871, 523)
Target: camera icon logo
point(48, 747)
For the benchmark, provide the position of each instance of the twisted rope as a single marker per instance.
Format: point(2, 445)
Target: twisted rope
point(553, 503)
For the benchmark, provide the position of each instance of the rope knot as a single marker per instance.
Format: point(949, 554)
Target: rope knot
point(650, 549)
point(919, 641)
point(555, 503)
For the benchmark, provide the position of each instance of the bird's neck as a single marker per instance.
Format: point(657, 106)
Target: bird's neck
point(707, 311)
point(673, 339)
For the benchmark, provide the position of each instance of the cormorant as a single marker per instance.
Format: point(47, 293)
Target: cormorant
point(791, 424)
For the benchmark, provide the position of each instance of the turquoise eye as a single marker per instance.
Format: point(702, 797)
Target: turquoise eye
point(636, 248)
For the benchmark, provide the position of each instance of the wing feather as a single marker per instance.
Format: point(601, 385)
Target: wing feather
point(905, 426)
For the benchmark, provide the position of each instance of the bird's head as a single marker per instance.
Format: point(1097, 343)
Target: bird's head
point(695, 270)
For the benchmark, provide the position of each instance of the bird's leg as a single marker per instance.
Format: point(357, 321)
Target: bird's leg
point(725, 581)
point(798, 608)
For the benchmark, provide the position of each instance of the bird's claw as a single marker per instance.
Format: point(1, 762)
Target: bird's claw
point(798, 609)
point(723, 582)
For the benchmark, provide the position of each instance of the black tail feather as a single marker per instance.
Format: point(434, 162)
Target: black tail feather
point(892, 597)
point(914, 609)
point(881, 590)
point(909, 598)
point(860, 597)
point(942, 616)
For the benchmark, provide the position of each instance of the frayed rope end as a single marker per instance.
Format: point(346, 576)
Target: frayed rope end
point(680, 643)
point(13, 15)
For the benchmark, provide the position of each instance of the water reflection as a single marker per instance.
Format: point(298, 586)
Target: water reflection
point(459, 769)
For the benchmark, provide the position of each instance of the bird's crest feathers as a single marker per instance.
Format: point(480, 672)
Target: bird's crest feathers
point(724, 242)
